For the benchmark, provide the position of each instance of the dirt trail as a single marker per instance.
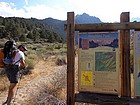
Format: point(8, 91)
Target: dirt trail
point(30, 85)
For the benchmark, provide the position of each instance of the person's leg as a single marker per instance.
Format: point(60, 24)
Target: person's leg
point(8, 76)
point(12, 74)
point(4, 103)
point(11, 92)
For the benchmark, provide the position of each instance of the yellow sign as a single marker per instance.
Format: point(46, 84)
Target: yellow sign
point(86, 78)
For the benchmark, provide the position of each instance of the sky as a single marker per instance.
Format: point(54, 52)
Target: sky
point(105, 10)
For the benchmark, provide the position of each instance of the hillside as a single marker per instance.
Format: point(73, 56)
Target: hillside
point(58, 25)
point(21, 29)
point(49, 29)
point(55, 25)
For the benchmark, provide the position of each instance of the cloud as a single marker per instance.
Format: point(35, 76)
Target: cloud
point(43, 11)
point(9, 10)
point(106, 10)
point(26, 1)
point(38, 11)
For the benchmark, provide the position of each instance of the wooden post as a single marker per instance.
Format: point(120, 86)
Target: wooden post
point(70, 58)
point(125, 57)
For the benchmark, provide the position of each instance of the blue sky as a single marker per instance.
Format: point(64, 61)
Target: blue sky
point(106, 10)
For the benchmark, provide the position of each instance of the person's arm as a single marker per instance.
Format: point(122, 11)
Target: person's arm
point(22, 61)
point(22, 64)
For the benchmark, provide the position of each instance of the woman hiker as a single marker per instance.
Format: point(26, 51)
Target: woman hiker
point(13, 72)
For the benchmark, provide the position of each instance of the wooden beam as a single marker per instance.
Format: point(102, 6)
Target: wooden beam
point(106, 26)
point(70, 59)
point(125, 57)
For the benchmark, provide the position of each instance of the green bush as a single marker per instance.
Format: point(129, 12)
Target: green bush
point(31, 59)
point(30, 63)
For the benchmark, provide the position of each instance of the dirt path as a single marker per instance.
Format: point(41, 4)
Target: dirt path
point(31, 86)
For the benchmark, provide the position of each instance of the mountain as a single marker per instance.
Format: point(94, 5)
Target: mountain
point(55, 25)
point(21, 29)
point(58, 25)
point(49, 28)
point(85, 18)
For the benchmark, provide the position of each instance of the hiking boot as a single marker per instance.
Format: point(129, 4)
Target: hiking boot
point(4, 103)
point(8, 103)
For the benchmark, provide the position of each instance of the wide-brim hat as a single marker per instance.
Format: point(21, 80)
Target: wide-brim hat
point(24, 47)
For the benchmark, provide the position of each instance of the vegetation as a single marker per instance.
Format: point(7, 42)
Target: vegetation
point(35, 53)
point(61, 60)
point(21, 29)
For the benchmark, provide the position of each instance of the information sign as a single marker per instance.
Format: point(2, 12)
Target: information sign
point(98, 57)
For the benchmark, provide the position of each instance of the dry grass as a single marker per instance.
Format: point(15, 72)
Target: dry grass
point(60, 60)
point(3, 84)
point(46, 84)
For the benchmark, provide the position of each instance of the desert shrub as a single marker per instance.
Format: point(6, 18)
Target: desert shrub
point(63, 50)
point(1, 45)
point(60, 60)
point(49, 48)
point(2, 41)
point(32, 56)
point(2, 71)
point(30, 63)
point(58, 45)
point(3, 80)
point(49, 92)
point(31, 60)
point(58, 79)
point(65, 46)
point(30, 52)
point(41, 51)
point(3, 83)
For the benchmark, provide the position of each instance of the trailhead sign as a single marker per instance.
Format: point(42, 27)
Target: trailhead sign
point(137, 63)
point(98, 62)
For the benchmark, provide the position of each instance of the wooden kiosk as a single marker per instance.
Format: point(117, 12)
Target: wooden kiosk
point(124, 28)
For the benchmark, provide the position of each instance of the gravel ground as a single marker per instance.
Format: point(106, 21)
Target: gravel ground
point(41, 86)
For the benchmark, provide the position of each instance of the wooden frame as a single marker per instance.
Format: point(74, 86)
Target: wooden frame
point(124, 26)
point(70, 59)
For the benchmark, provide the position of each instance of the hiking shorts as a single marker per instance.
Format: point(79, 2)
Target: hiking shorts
point(12, 73)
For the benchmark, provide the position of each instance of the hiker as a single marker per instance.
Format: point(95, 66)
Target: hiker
point(12, 72)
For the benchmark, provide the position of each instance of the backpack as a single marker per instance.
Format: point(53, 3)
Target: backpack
point(9, 52)
point(1, 57)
